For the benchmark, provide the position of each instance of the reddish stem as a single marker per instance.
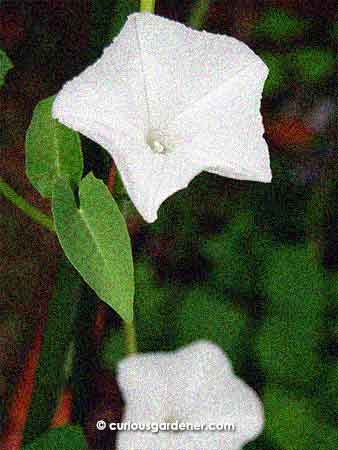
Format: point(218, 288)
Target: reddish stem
point(63, 413)
point(22, 395)
point(111, 178)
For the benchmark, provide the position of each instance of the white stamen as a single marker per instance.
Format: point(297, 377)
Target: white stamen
point(157, 141)
point(158, 147)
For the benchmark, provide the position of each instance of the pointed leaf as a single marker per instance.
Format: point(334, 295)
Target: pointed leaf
point(52, 150)
point(61, 438)
point(5, 66)
point(95, 239)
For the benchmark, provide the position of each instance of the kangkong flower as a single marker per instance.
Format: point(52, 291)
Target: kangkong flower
point(168, 102)
point(189, 387)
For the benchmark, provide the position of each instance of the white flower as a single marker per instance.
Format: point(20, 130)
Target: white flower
point(168, 102)
point(195, 385)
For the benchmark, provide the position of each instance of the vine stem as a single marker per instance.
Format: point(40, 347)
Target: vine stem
point(148, 6)
point(130, 337)
point(35, 214)
point(199, 14)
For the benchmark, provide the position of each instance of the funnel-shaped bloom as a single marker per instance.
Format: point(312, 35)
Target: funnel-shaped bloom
point(168, 102)
point(192, 386)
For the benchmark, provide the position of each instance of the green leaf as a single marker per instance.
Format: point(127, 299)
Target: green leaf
point(288, 343)
point(122, 10)
point(277, 76)
point(5, 66)
point(50, 376)
point(151, 307)
point(330, 387)
point(277, 25)
point(229, 257)
point(293, 422)
point(334, 30)
point(288, 352)
point(113, 349)
point(95, 239)
point(52, 150)
point(204, 314)
point(293, 280)
point(313, 64)
point(199, 13)
point(61, 438)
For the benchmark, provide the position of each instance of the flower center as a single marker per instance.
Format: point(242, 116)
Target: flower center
point(157, 147)
point(158, 142)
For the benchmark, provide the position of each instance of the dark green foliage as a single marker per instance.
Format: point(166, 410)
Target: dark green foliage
point(311, 65)
point(228, 254)
point(5, 66)
point(277, 74)
point(122, 9)
point(205, 314)
point(292, 422)
point(294, 283)
point(278, 25)
point(62, 438)
point(50, 376)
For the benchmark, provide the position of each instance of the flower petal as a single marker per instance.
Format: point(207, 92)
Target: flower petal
point(166, 375)
point(231, 401)
point(182, 65)
point(208, 391)
point(193, 366)
point(224, 131)
point(144, 381)
point(144, 441)
point(172, 173)
point(151, 178)
point(111, 89)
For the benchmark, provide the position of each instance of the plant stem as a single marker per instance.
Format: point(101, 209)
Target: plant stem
point(36, 215)
point(130, 335)
point(63, 413)
point(198, 14)
point(22, 394)
point(148, 6)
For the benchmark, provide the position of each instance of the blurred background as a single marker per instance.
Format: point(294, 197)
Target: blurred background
point(252, 267)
